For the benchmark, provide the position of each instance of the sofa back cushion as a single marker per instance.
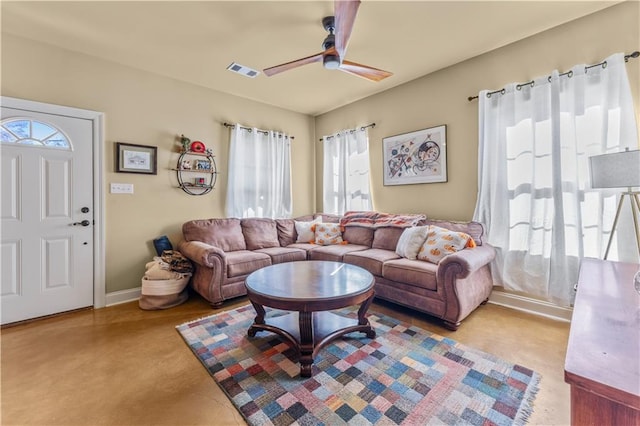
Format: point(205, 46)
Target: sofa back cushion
point(358, 235)
point(259, 233)
point(386, 238)
point(286, 231)
point(474, 229)
point(225, 234)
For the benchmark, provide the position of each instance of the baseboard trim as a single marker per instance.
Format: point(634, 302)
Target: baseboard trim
point(123, 296)
point(533, 306)
point(509, 300)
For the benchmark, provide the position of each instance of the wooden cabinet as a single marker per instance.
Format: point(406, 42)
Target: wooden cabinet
point(197, 173)
point(602, 365)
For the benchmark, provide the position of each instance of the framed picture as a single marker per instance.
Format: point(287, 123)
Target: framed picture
point(416, 157)
point(203, 165)
point(132, 158)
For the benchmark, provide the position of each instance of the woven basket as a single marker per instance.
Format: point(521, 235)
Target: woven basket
point(163, 294)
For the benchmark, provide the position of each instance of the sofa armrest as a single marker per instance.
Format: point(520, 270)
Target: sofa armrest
point(210, 269)
point(467, 261)
point(465, 281)
point(203, 254)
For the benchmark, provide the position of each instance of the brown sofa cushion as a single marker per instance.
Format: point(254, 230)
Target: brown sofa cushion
point(259, 233)
point(225, 234)
point(358, 235)
point(244, 262)
point(286, 231)
point(386, 238)
point(333, 253)
point(371, 260)
point(284, 254)
point(414, 272)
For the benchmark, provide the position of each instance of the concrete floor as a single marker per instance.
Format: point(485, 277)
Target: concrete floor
point(124, 366)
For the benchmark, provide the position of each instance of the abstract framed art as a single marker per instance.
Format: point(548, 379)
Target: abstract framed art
point(416, 157)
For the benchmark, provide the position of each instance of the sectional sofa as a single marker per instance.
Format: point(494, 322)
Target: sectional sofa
point(225, 251)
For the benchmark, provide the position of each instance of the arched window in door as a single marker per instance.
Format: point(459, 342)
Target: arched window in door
point(25, 131)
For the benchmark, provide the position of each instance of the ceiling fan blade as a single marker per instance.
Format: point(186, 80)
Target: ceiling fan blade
point(364, 71)
point(345, 16)
point(293, 64)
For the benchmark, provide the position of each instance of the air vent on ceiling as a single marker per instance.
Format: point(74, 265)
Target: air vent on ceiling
point(241, 69)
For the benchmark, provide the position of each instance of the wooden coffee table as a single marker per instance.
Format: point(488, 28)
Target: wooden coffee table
point(309, 289)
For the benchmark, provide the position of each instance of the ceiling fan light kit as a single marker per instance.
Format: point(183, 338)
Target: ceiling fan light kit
point(335, 46)
point(331, 62)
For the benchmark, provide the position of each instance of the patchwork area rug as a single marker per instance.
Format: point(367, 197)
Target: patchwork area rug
point(406, 375)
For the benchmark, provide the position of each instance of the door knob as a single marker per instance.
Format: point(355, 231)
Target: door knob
point(83, 223)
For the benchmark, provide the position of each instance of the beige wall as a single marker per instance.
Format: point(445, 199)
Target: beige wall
point(441, 98)
point(144, 108)
point(148, 109)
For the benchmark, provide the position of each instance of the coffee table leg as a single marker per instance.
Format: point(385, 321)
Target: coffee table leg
point(260, 313)
point(362, 319)
point(306, 343)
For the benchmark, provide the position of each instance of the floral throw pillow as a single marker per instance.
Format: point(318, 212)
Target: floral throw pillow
point(328, 234)
point(305, 230)
point(411, 240)
point(442, 242)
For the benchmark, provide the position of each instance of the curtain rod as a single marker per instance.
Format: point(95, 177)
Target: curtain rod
point(353, 130)
point(568, 73)
point(249, 129)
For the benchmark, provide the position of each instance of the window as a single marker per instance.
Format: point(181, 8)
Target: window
point(534, 194)
point(24, 131)
point(259, 174)
point(346, 183)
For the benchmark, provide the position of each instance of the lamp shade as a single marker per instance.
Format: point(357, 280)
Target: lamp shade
point(617, 170)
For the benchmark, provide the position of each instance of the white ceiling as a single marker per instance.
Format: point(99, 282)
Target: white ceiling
point(196, 41)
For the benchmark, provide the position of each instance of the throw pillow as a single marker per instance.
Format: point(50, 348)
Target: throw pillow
point(304, 231)
point(442, 242)
point(328, 234)
point(411, 240)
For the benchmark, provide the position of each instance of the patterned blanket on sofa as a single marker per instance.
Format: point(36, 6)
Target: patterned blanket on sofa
point(370, 219)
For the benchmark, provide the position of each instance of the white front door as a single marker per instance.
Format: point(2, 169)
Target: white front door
point(47, 250)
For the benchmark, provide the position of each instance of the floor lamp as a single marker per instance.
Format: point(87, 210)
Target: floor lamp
point(619, 170)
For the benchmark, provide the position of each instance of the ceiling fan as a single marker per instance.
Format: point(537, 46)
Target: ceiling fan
point(335, 46)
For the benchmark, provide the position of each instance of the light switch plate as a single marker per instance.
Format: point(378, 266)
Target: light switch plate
point(122, 188)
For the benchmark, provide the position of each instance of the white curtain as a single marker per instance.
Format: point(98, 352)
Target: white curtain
point(259, 174)
point(345, 180)
point(534, 194)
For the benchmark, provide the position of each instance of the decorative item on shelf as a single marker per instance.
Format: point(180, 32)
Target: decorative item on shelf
point(185, 142)
point(199, 163)
point(619, 170)
point(197, 146)
point(203, 165)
